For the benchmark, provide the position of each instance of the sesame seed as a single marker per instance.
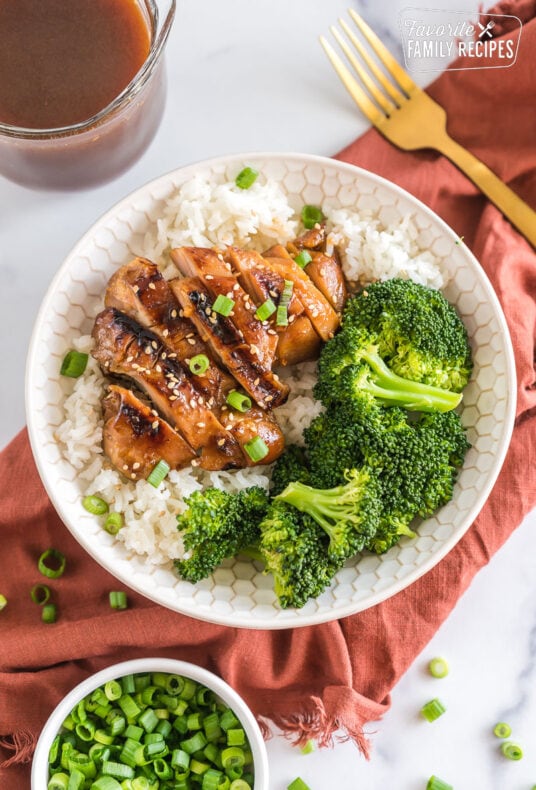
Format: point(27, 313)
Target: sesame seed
point(228, 427)
point(159, 368)
point(256, 382)
point(228, 266)
point(273, 293)
point(154, 344)
point(133, 475)
point(200, 424)
point(291, 318)
point(201, 400)
point(220, 256)
point(193, 403)
point(147, 349)
point(152, 286)
point(136, 465)
point(163, 355)
point(236, 287)
point(254, 350)
point(209, 277)
point(165, 332)
point(136, 288)
point(220, 442)
point(190, 334)
point(229, 294)
point(129, 359)
point(154, 425)
point(272, 332)
point(276, 377)
point(190, 341)
point(196, 462)
point(172, 356)
point(208, 310)
point(211, 402)
point(181, 313)
point(172, 397)
point(214, 320)
point(154, 412)
point(125, 466)
point(174, 313)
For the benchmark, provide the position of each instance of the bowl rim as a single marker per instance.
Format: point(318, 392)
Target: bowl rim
point(352, 607)
point(151, 664)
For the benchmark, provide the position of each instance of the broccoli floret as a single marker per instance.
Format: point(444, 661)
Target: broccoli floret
point(294, 549)
point(216, 525)
point(348, 513)
point(290, 466)
point(351, 364)
point(418, 333)
point(333, 441)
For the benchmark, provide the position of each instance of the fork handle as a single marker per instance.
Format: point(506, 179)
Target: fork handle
point(516, 210)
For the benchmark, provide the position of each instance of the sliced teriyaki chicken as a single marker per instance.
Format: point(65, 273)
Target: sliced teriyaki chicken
point(226, 341)
point(255, 422)
point(218, 278)
point(125, 348)
point(135, 438)
point(296, 342)
point(325, 269)
point(139, 290)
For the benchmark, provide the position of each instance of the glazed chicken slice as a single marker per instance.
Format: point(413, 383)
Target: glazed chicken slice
point(255, 422)
point(139, 290)
point(218, 278)
point(125, 348)
point(226, 341)
point(325, 269)
point(135, 438)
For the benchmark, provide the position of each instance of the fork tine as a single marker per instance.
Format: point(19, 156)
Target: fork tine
point(395, 94)
point(392, 66)
point(366, 106)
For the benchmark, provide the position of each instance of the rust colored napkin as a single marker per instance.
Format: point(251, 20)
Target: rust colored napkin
point(309, 681)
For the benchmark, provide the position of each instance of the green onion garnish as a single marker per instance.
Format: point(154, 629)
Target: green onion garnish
point(114, 522)
point(502, 730)
point(95, 505)
point(59, 562)
point(308, 747)
point(511, 750)
point(158, 473)
point(3, 602)
point(48, 614)
point(433, 710)
point(437, 784)
point(303, 259)
point(238, 401)
point(199, 364)
point(74, 364)
point(240, 784)
point(223, 305)
point(438, 668)
point(58, 781)
point(40, 594)
point(311, 216)
point(298, 784)
point(256, 449)
point(281, 318)
point(246, 178)
point(118, 599)
point(266, 309)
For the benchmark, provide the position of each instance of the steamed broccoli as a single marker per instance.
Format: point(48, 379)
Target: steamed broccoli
point(290, 466)
point(418, 333)
point(216, 525)
point(293, 549)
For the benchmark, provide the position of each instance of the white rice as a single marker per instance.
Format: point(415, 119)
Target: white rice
point(215, 212)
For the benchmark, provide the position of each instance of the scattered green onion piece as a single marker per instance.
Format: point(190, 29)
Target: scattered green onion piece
point(246, 178)
point(437, 784)
point(212, 779)
point(85, 730)
point(502, 730)
point(256, 448)
point(308, 747)
point(40, 594)
point(199, 364)
point(223, 305)
point(114, 522)
point(511, 750)
point(303, 258)
point(266, 309)
point(117, 770)
point(198, 767)
point(311, 216)
point(159, 472)
point(112, 690)
point(128, 684)
point(48, 614)
point(3, 602)
point(438, 668)
point(118, 599)
point(105, 783)
point(228, 720)
point(236, 737)
point(74, 364)
point(240, 784)
point(59, 560)
point(76, 780)
point(281, 318)
point(238, 401)
point(59, 781)
point(95, 505)
point(433, 710)
point(298, 784)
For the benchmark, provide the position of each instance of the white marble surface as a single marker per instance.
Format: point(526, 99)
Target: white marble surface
point(248, 76)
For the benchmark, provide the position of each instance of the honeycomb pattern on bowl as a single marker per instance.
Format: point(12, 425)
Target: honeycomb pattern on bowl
point(239, 594)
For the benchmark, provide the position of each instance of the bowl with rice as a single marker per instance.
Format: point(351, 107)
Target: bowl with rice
point(381, 232)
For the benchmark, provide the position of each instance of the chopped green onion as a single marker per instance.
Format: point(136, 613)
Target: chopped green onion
point(114, 522)
point(433, 710)
point(437, 784)
point(281, 318)
point(256, 449)
point(95, 505)
point(59, 781)
point(236, 737)
point(199, 364)
point(308, 747)
point(112, 690)
point(298, 784)
point(3, 602)
point(238, 401)
point(74, 364)
point(58, 559)
point(438, 668)
point(240, 784)
point(117, 770)
point(303, 259)
point(40, 594)
point(511, 750)
point(502, 730)
point(223, 305)
point(118, 600)
point(266, 309)
point(105, 783)
point(311, 216)
point(246, 178)
point(159, 472)
point(48, 614)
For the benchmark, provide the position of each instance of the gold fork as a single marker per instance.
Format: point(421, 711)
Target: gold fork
point(410, 119)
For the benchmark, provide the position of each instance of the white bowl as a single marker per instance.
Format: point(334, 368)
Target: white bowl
point(140, 665)
point(238, 594)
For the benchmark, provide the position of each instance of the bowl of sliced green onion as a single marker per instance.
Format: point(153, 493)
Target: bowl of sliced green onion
point(151, 723)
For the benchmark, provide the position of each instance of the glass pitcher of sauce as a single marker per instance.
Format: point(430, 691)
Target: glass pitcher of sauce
point(82, 88)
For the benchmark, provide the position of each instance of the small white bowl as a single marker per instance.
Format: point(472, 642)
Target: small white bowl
point(140, 665)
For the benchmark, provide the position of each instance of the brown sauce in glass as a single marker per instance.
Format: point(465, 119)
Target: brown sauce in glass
point(62, 61)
